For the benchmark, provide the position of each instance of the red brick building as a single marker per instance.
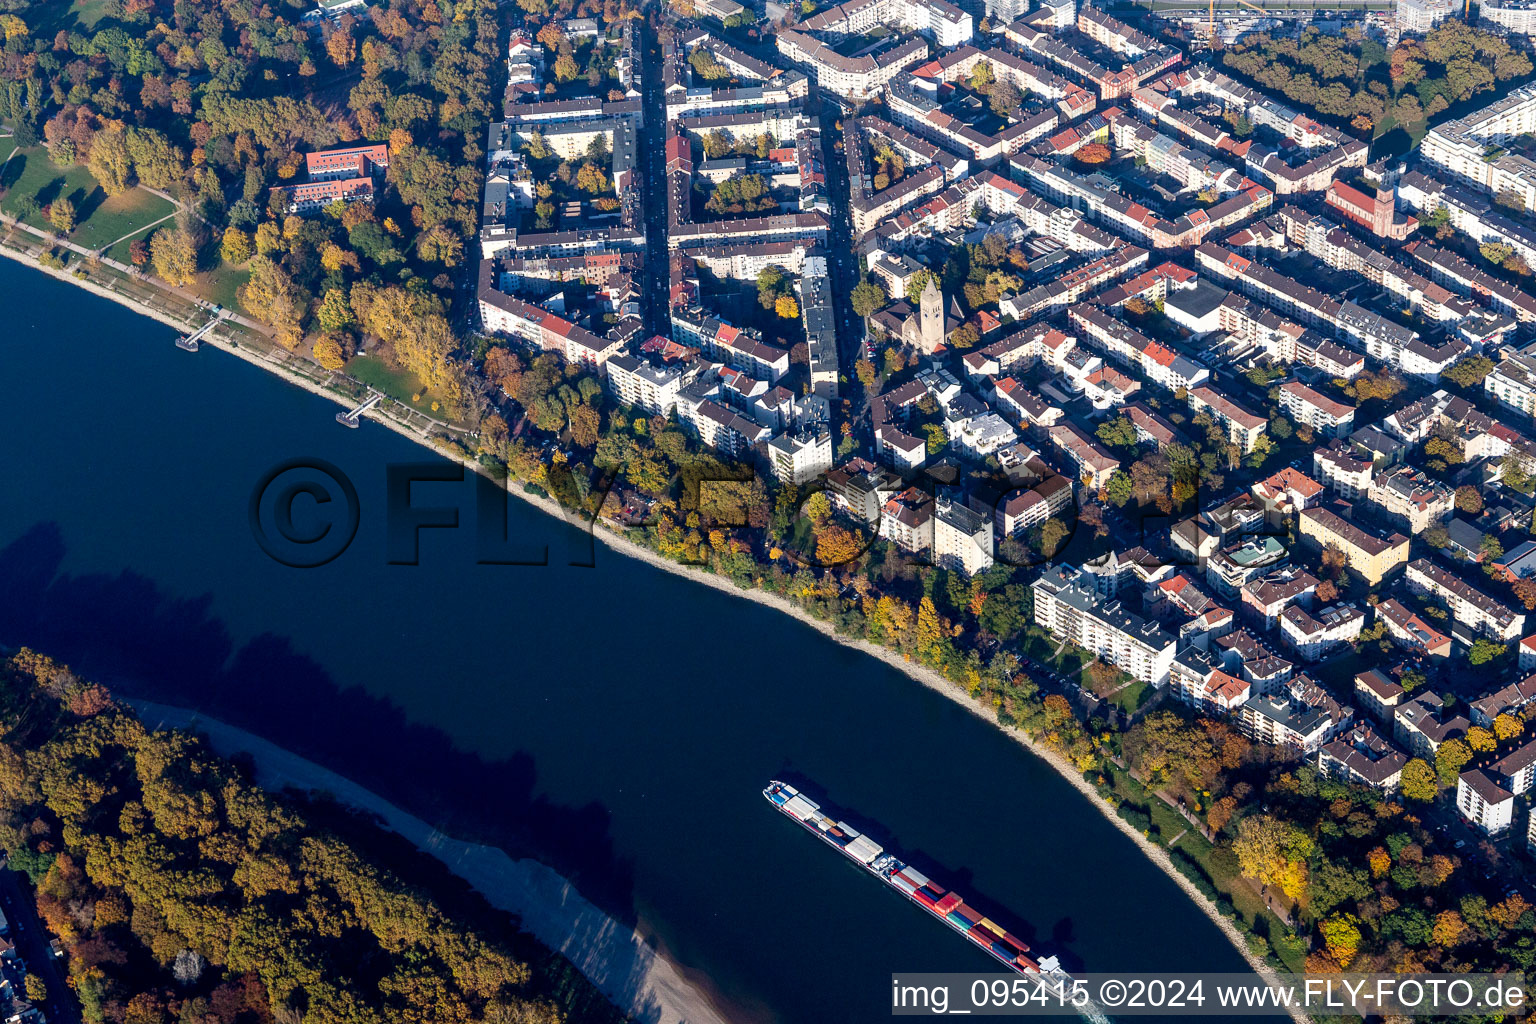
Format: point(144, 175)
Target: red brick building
point(1377, 214)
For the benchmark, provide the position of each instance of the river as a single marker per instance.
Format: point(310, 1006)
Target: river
point(615, 721)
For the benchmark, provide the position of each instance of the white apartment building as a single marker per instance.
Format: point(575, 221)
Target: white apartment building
point(1467, 604)
point(1071, 609)
point(1470, 148)
point(1408, 495)
point(801, 456)
point(1485, 803)
point(1318, 411)
point(1517, 17)
point(962, 538)
point(1344, 471)
point(1419, 16)
point(1513, 382)
point(653, 388)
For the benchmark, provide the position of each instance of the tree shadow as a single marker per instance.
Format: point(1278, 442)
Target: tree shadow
point(126, 633)
point(14, 169)
point(86, 202)
point(51, 191)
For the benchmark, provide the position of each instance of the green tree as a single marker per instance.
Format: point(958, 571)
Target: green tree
point(1450, 758)
point(866, 298)
point(1484, 650)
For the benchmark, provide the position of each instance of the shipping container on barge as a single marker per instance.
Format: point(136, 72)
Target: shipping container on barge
point(949, 907)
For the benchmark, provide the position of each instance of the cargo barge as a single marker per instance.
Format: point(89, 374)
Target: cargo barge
point(949, 907)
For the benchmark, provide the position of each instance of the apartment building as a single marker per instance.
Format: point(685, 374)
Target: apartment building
point(1313, 635)
point(1242, 426)
point(962, 538)
point(1424, 722)
point(1364, 757)
point(1093, 464)
point(1410, 630)
point(1469, 148)
point(1513, 382)
point(1344, 469)
point(1408, 496)
point(1299, 715)
point(1517, 769)
point(1368, 554)
point(906, 520)
point(1378, 694)
point(1316, 410)
point(801, 456)
point(1466, 603)
point(1485, 803)
point(1071, 609)
point(633, 381)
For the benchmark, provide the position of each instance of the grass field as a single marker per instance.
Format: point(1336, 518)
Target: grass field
point(60, 15)
point(221, 285)
point(121, 215)
point(393, 381)
point(100, 219)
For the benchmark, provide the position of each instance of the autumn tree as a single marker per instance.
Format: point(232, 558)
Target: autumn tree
point(1341, 935)
point(786, 307)
point(1273, 852)
point(1450, 758)
point(270, 296)
point(173, 251)
point(1419, 781)
point(61, 214)
point(109, 161)
point(1507, 727)
point(328, 353)
point(866, 297)
point(236, 246)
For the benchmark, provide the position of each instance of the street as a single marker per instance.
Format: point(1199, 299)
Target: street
point(30, 939)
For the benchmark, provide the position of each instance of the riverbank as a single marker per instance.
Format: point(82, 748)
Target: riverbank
point(613, 957)
point(623, 545)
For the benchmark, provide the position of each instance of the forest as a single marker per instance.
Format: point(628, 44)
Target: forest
point(184, 893)
point(216, 101)
point(1354, 79)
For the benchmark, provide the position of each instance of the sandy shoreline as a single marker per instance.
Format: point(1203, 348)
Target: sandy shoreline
point(922, 674)
point(614, 957)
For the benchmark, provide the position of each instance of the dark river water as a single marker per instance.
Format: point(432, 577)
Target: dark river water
point(616, 721)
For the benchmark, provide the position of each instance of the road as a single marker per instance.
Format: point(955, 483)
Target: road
point(844, 265)
point(31, 943)
point(653, 173)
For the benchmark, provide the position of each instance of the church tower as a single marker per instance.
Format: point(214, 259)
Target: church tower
point(931, 316)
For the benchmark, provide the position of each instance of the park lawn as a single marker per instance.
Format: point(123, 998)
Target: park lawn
point(7, 144)
point(121, 215)
point(60, 15)
point(121, 249)
point(100, 219)
point(391, 380)
point(220, 285)
point(31, 173)
point(1130, 699)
